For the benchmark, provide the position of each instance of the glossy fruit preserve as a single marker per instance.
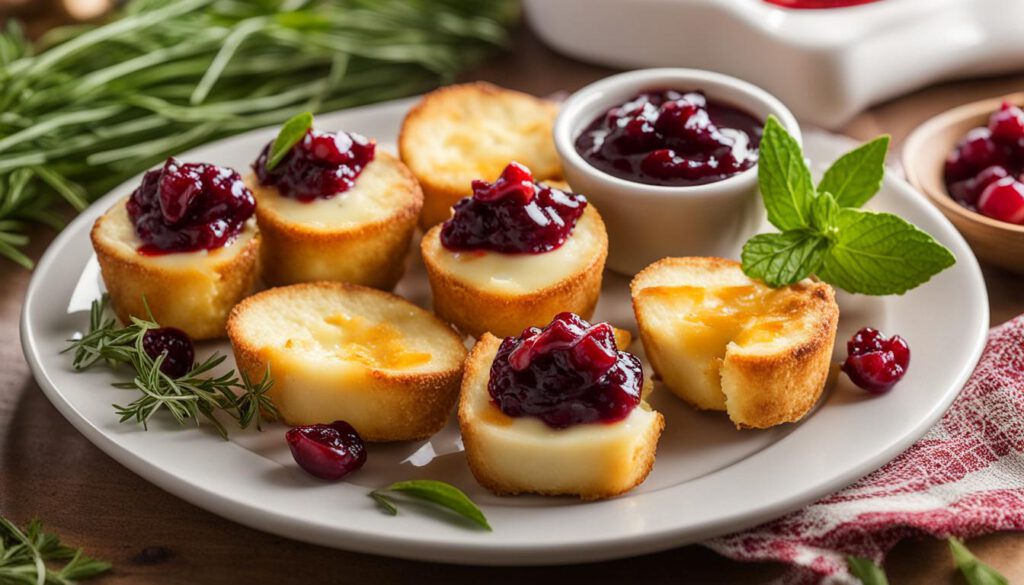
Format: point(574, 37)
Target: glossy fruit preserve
point(983, 172)
point(568, 373)
point(185, 207)
point(874, 362)
point(513, 215)
point(321, 166)
point(176, 347)
point(328, 451)
point(672, 138)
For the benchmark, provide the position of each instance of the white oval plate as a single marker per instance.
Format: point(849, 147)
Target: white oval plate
point(709, 479)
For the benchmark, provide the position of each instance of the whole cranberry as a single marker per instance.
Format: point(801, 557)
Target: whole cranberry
point(980, 151)
point(1007, 124)
point(180, 353)
point(874, 362)
point(328, 451)
point(969, 190)
point(1003, 200)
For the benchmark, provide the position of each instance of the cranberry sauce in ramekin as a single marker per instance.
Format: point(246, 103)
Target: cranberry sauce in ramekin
point(672, 138)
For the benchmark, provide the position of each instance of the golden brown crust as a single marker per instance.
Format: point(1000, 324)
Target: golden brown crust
point(481, 458)
point(405, 405)
point(475, 311)
point(370, 254)
point(761, 389)
point(449, 107)
point(168, 292)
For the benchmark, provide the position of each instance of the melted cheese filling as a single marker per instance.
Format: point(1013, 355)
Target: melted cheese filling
point(358, 340)
point(523, 273)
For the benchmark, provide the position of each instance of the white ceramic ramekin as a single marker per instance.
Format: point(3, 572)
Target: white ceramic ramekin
point(649, 222)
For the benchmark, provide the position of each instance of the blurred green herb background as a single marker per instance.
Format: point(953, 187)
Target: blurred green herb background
point(86, 107)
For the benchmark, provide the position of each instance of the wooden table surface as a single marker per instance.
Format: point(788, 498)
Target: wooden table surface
point(49, 471)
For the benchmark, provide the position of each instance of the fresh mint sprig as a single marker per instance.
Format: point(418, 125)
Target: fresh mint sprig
point(823, 232)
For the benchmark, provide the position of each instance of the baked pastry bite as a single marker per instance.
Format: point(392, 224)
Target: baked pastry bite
point(460, 133)
point(723, 341)
point(335, 208)
point(339, 351)
point(515, 254)
point(183, 247)
point(557, 411)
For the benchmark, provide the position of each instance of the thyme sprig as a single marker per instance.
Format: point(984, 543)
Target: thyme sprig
point(24, 553)
point(195, 396)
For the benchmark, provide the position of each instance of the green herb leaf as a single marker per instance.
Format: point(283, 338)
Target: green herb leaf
point(881, 254)
point(856, 176)
point(867, 571)
point(291, 134)
point(385, 503)
point(781, 259)
point(442, 494)
point(974, 571)
point(824, 209)
point(24, 553)
point(784, 178)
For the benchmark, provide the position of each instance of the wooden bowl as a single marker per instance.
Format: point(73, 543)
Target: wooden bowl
point(924, 153)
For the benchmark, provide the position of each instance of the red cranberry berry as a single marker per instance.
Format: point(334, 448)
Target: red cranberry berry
point(328, 451)
point(321, 166)
point(969, 190)
point(175, 344)
point(874, 362)
point(568, 373)
point(979, 150)
point(1007, 125)
point(667, 137)
point(1003, 200)
point(513, 215)
point(185, 207)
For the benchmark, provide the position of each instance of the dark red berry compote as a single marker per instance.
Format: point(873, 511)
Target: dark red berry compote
point(185, 207)
point(513, 215)
point(817, 4)
point(568, 373)
point(329, 451)
point(674, 138)
point(321, 166)
point(874, 362)
point(984, 170)
point(175, 345)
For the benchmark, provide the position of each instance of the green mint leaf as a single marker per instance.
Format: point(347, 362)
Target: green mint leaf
point(784, 178)
point(857, 175)
point(867, 571)
point(974, 571)
point(880, 254)
point(291, 133)
point(444, 495)
point(823, 213)
point(781, 259)
point(385, 503)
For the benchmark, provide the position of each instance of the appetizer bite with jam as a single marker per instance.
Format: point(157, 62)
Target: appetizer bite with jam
point(515, 254)
point(558, 411)
point(723, 341)
point(332, 206)
point(339, 351)
point(182, 248)
point(460, 133)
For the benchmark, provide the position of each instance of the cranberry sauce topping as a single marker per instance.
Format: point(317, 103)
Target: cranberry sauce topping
point(668, 137)
point(321, 166)
point(569, 373)
point(513, 215)
point(875, 363)
point(814, 4)
point(984, 171)
point(327, 451)
point(186, 207)
point(175, 344)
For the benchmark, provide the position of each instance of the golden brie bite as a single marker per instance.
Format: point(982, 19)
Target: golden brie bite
point(464, 132)
point(515, 254)
point(182, 248)
point(558, 411)
point(339, 351)
point(335, 208)
point(723, 341)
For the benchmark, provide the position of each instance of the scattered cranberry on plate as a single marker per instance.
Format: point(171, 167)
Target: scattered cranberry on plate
point(874, 362)
point(176, 344)
point(983, 172)
point(328, 451)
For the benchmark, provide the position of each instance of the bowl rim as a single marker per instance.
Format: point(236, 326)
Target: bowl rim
point(569, 116)
point(979, 109)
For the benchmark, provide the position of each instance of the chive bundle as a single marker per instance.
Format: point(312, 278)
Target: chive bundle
point(99, 104)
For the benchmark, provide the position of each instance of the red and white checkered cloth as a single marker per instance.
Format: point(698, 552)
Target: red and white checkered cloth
point(964, 478)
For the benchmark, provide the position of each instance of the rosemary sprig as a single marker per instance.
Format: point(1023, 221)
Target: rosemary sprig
point(195, 396)
point(24, 553)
